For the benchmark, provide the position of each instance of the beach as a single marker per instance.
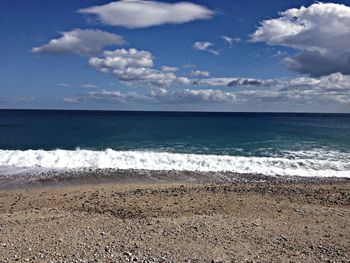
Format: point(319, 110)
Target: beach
point(115, 186)
point(258, 220)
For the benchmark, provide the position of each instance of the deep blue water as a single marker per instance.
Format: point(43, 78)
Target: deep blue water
point(238, 134)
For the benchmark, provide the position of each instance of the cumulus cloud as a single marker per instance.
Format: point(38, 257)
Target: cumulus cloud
point(230, 41)
point(334, 88)
point(205, 46)
point(231, 82)
point(135, 67)
point(121, 59)
point(335, 82)
point(81, 41)
point(141, 14)
point(165, 96)
point(145, 76)
point(321, 31)
point(199, 73)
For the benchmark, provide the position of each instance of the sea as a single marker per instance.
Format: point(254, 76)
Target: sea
point(272, 144)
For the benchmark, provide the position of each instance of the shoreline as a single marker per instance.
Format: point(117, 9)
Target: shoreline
point(241, 221)
point(61, 178)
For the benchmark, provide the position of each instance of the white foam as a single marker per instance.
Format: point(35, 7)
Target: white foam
point(75, 159)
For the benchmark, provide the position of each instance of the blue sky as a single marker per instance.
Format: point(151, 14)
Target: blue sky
point(171, 55)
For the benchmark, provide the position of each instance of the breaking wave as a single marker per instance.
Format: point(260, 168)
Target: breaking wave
point(333, 165)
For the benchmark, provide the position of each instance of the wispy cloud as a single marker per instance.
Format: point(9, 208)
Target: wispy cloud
point(205, 46)
point(230, 40)
point(84, 85)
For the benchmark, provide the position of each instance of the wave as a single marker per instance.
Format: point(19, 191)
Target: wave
point(147, 160)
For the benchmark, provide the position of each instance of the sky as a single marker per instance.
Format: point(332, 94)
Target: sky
point(210, 55)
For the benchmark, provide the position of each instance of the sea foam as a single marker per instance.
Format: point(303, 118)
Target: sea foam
point(148, 160)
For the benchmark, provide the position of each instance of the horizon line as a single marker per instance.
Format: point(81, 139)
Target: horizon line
point(172, 111)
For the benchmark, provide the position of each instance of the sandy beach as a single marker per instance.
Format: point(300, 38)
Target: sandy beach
point(270, 221)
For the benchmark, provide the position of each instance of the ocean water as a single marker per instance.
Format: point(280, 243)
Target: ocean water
point(260, 143)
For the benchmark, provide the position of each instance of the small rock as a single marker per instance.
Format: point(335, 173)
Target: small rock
point(107, 249)
point(284, 238)
point(128, 254)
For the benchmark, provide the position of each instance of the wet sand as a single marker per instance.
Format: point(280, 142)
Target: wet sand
point(252, 221)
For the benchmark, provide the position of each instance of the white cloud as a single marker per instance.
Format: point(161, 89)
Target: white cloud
point(334, 82)
point(81, 41)
point(121, 59)
point(194, 96)
point(113, 96)
point(145, 76)
point(333, 89)
point(84, 85)
point(169, 69)
point(230, 41)
point(205, 46)
point(140, 14)
point(89, 86)
point(135, 68)
point(202, 45)
point(322, 33)
point(199, 73)
point(164, 96)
